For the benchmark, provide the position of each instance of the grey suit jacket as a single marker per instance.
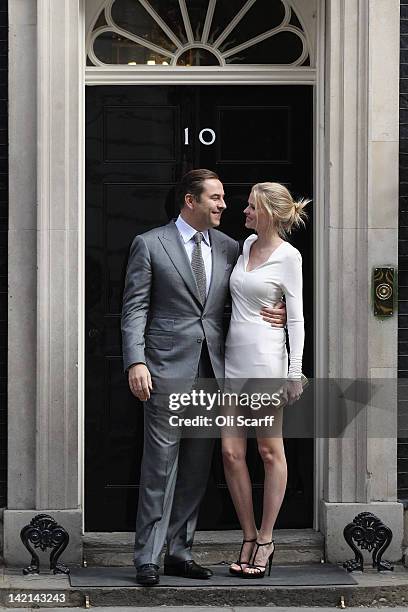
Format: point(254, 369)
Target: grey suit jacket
point(163, 320)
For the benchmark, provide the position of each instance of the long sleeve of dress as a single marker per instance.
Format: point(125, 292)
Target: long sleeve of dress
point(292, 287)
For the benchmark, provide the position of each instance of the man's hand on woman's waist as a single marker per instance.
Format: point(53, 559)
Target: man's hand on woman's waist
point(275, 316)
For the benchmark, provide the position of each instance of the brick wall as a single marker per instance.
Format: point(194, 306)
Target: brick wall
point(403, 260)
point(3, 244)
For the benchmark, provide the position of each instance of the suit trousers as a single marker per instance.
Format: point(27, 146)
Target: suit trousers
point(174, 475)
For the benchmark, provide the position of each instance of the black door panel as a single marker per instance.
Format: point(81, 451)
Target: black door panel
point(137, 149)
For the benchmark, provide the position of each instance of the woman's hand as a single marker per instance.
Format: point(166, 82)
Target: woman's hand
point(292, 390)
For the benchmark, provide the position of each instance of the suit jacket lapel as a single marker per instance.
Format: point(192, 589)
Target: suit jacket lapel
point(175, 249)
point(218, 253)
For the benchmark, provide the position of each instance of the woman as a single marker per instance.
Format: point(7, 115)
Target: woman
point(268, 268)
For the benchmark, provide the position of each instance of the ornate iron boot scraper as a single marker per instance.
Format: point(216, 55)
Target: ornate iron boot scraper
point(369, 533)
point(44, 532)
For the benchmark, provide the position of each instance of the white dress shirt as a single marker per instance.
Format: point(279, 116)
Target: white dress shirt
point(187, 234)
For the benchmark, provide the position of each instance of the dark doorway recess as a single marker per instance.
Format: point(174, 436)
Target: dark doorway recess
point(137, 148)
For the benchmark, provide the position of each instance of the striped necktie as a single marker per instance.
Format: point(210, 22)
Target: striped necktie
point(197, 264)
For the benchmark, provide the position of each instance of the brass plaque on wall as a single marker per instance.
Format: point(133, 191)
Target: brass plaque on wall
point(384, 291)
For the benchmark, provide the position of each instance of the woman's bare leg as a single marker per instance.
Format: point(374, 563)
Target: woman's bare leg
point(240, 488)
point(272, 452)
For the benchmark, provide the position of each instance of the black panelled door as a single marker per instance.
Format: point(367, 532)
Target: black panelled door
point(139, 142)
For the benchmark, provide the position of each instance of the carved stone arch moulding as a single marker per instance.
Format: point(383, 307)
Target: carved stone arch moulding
point(218, 33)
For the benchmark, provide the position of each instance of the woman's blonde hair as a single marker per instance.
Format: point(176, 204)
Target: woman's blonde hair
point(283, 211)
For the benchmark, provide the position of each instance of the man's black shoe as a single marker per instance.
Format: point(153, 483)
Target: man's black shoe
point(147, 574)
point(187, 569)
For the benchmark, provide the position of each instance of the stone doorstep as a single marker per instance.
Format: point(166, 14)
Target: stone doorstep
point(210, 547)
point(372, 589)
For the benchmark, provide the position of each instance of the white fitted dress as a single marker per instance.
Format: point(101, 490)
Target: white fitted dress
point(253, 348)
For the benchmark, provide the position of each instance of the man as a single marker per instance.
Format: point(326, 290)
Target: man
point(177, 285)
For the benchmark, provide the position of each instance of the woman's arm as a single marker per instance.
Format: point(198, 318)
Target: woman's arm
point(292, 284)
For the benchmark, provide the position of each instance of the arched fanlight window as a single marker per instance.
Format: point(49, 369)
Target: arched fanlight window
point(198, 33)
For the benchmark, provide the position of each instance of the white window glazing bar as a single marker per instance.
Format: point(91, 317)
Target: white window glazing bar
point(260, 38)
point(283, 26)
point(233, 23)
point(161, 23)
point(137, 39)
point(186, 21)
point(215, 52)
point(140, 41)
point(208, 20)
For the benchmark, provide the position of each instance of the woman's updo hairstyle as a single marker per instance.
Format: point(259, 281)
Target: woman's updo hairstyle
point(283, 211)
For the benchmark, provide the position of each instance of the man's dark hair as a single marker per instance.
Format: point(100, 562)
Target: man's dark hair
point(192, 182)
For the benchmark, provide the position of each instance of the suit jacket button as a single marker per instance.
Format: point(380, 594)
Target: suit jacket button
point(199, 340)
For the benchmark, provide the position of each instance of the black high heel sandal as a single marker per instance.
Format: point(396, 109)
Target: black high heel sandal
point(260, 569)
point(239, 572)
